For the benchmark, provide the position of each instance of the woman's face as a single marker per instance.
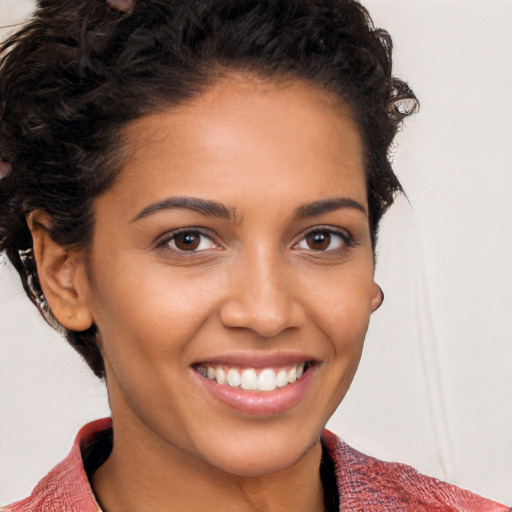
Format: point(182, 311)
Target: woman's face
point(234, 246)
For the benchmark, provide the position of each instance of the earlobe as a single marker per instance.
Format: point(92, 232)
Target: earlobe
point(377, 298)
point(62, 276)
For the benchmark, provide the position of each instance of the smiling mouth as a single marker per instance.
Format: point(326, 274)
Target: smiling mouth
point(252, 379)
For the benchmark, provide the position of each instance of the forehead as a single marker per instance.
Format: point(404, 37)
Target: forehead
point(289, 139)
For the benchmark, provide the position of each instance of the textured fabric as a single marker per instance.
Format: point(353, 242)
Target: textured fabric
point(364, 484)
point(66, 487)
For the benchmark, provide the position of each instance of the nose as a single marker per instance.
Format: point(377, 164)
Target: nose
point(262, 297)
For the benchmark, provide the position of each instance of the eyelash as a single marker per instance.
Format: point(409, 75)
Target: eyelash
point(346, 239)
point(164, 243)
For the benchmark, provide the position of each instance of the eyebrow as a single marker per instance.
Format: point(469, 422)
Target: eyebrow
point(326, 206)
point(214, 209)
point(202, 206)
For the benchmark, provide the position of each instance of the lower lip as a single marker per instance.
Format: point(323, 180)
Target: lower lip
point(259, 403)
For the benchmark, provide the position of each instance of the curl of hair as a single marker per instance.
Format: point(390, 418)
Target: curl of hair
point(76, 74)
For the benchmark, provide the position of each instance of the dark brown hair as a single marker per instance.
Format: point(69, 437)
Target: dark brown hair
point(76, 74)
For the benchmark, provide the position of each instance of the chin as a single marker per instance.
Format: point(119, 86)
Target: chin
point(265, 464)
point(261, 455)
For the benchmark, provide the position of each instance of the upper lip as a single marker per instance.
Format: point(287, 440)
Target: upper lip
point(258, 359)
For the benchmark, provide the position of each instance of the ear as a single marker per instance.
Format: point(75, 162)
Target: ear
point(62, 276)
point(377, 297)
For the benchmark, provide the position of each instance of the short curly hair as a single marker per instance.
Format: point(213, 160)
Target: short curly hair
point(76, 74)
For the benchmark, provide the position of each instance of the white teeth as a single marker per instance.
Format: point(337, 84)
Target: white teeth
point(267, 380)
point(282, 379)
point(249, 380)
point(234, 378)
point(220, 375)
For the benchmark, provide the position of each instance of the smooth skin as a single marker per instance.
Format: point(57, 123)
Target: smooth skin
point(279, 261)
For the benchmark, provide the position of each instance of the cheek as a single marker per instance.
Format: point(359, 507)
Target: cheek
point(345, 321)
point(341, 308)
point(151, 312)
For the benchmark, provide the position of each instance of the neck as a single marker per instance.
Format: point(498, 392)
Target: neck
point(144, 473)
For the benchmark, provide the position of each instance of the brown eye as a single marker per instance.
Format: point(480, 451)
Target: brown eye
point(187, 241)
point(318, 240)
point(324, 240)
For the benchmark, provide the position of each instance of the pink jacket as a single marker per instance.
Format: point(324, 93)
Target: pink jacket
point(364, 484)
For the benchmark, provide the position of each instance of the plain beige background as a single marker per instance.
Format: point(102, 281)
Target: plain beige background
point(435, 385)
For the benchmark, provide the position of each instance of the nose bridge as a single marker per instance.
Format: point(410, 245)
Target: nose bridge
point(261, 295)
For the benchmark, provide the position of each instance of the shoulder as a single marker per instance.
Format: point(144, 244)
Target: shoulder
point(66, 487)
point(371, 485)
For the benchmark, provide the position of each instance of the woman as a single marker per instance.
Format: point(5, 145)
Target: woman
point(194, 199)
